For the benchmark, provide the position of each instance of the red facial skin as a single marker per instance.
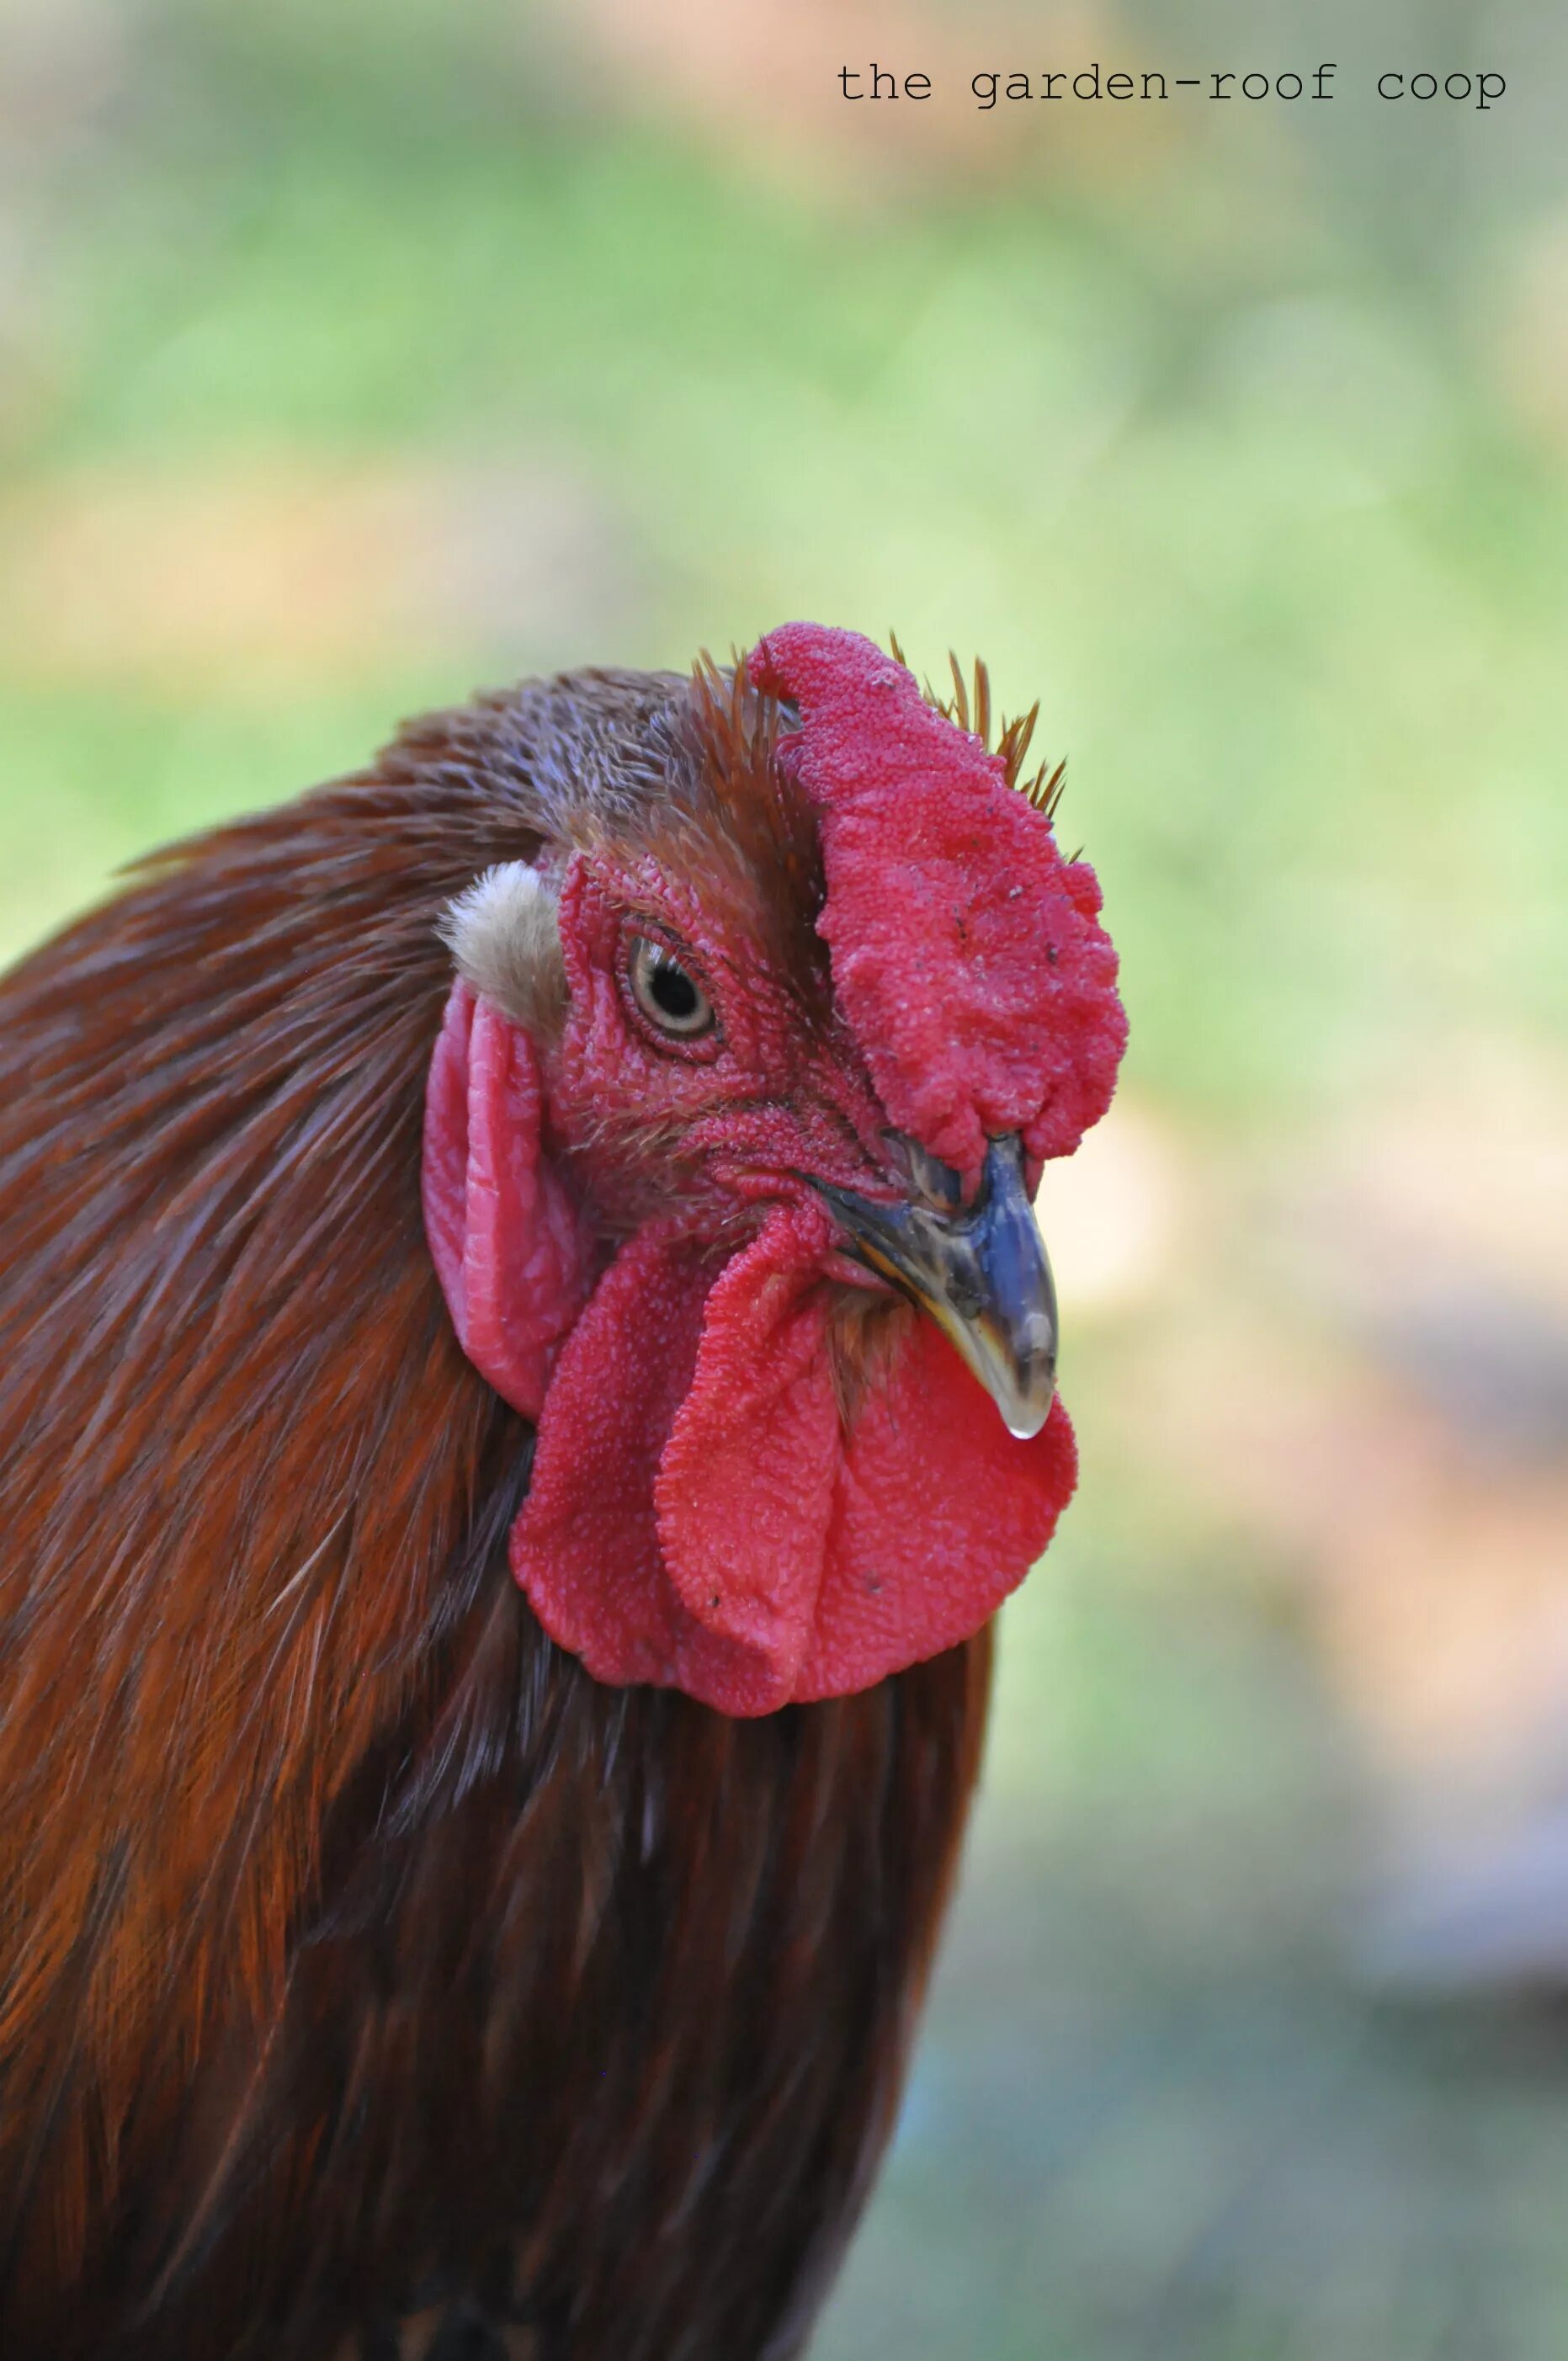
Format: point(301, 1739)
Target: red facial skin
point(706, 1510)
point(710, 1126)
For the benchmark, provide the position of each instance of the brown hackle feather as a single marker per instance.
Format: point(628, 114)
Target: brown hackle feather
point(361, 1959)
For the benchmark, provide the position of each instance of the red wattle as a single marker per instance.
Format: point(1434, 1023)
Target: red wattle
point(587, 1547)
point(938, 1515)
point(746, 1484)
point(699, 1519)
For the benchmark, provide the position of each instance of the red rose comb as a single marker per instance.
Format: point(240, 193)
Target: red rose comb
point(967, 954)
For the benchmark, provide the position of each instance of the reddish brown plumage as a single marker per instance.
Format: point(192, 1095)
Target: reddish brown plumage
point(358, 1951)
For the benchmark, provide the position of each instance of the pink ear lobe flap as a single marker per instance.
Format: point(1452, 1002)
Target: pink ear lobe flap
point(510, 1247)
point(940, 1514)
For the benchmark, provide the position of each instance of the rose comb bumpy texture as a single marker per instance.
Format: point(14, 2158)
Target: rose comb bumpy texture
point(968, 955)
point(706, 1512)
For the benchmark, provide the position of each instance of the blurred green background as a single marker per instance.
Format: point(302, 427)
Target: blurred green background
point(353, 355)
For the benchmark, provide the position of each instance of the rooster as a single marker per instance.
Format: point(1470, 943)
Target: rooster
point(526, 1369)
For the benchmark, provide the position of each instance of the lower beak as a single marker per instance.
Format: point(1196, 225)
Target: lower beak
point(982, 1274)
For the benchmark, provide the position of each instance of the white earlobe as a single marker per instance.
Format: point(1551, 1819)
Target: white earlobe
point(503, 934)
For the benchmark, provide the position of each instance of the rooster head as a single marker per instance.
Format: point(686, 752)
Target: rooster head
point(743, 1092)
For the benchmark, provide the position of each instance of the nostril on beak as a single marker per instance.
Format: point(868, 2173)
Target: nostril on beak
point(966, 1299)
point(932, 1185)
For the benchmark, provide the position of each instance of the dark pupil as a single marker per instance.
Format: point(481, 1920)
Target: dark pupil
point(673, 989)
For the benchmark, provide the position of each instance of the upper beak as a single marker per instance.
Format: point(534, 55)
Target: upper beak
point(981, 1273)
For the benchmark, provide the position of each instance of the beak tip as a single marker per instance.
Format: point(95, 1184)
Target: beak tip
point(1024, 1415)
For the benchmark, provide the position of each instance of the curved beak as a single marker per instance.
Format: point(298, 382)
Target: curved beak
point(982, 1272)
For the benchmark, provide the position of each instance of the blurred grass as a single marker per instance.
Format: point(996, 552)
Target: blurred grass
point(1153, 2115)
point(1245, 454)
point(1291, 589)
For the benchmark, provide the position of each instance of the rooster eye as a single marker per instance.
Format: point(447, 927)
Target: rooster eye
point(665, 994)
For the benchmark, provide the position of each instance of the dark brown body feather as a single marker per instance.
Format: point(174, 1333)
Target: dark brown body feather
point(359, 1956)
